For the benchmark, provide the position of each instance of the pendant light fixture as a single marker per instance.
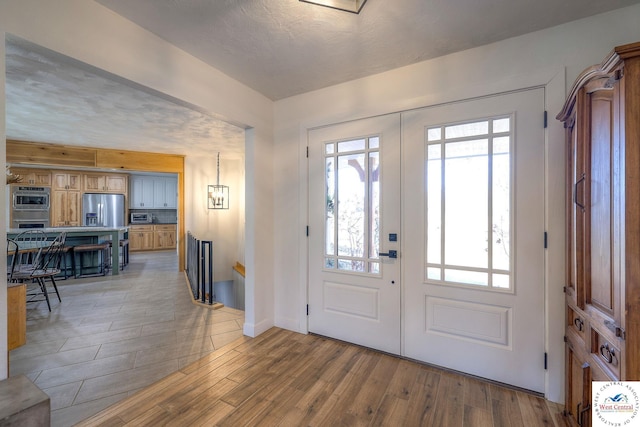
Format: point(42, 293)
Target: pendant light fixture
point(353, 6)
point(218, 195)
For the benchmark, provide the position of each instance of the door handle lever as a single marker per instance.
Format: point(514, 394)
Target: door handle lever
point(390, 254)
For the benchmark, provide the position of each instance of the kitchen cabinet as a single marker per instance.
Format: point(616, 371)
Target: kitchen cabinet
point(66, 208)
point(66, 199)
point(16, 315)
point(603, 228)
point(165, 193)
point(152, 237)
point(164, 236)
point(153, 192)
point(63, 180)
point(141, 238)
point(35, 177)
point(141, 194)
point(105, 183)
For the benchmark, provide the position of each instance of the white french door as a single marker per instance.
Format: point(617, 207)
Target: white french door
point(354, 209)
point(467, 225)
point(473, 215)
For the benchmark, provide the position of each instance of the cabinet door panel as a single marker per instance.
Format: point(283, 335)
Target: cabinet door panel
point(93, 183)
point(575, 218)
point(578, 388)
point(74, 208)
point(116, 183)
point(171, 193)
point(601, 206)
point(58, 208)
point(141, 193)
point(59, 181)
point(74, 181)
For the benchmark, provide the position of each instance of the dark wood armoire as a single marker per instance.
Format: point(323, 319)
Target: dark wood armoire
point(602, 331)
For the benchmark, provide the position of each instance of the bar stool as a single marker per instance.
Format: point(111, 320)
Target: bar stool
point(66, 270)
point(124, 253)
point(101, 249)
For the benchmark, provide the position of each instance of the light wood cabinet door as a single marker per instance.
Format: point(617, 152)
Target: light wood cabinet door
point(35, 177)
point(74, 208)
point(141, 238)
point(62, 180)
point(101, 183)
point(16, 316)
point(94, 183)
point(66, 208)
point(165, 237)
point(116, 184)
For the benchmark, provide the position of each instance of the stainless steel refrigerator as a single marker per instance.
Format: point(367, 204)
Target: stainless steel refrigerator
point(103, 210)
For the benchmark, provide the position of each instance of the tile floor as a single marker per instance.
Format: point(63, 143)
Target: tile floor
point(111, 336)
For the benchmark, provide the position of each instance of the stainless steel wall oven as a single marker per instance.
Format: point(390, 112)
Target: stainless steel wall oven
point(30, 207)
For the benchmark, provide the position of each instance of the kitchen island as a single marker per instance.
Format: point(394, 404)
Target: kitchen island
point(78, 235)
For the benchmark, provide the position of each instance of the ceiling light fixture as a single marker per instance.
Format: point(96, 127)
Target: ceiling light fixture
point(353, 6)
point(218, 195)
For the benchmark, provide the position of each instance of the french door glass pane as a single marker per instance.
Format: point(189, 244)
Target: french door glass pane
point(466, 129)
point(468, 203)
point(466, 276)
point(352, 213)
point(351, 205)
point(466, 210)
point(374, 204)
point(434, 205)
point(348, 146)
point(501, 220)
point(330, 198)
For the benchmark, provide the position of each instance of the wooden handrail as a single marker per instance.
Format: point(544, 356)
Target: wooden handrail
point(239, 268)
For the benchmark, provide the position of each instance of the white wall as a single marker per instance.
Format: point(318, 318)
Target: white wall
point(90, 33)
point(3, 220)
point(223, 227)
point(538, 59)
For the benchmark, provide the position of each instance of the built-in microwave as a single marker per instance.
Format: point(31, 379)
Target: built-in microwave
point(141, 218)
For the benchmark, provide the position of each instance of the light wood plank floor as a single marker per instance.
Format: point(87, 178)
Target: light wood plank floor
point(283, 378)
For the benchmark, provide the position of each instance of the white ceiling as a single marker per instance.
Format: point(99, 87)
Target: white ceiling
point(286, 47)
point(280, 48)
point(52, 98)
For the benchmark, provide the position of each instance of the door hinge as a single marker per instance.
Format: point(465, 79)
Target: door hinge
point(307, 152)
point(621, 333)
point(566, 339)
point(545, 361)
point(564, 289)
point(307, 309)
point(307, 231)
point(545, 119)
point(545, 240)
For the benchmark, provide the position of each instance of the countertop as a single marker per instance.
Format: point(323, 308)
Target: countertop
point(153, 223)
point(70, 229)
